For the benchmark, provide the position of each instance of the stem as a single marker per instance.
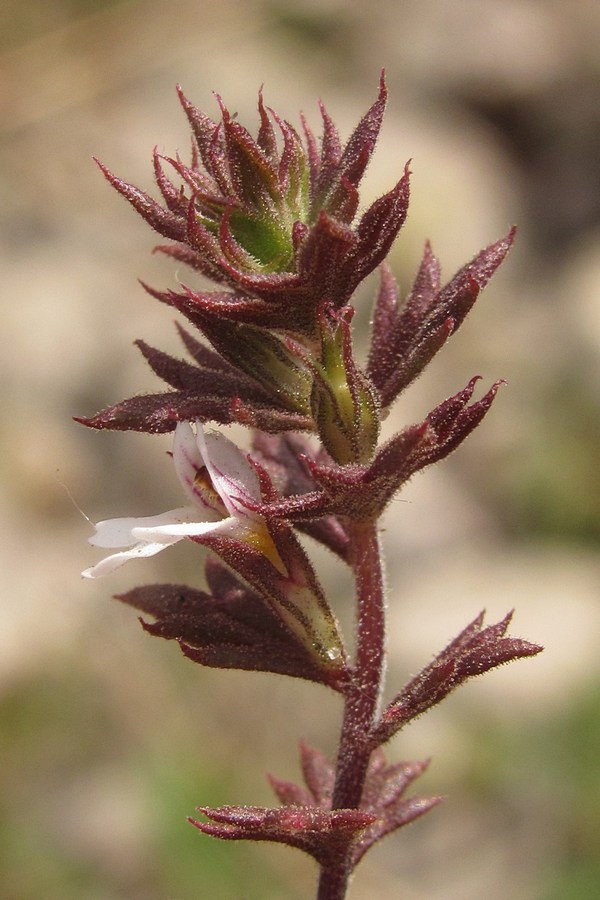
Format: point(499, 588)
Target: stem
point(362, 698)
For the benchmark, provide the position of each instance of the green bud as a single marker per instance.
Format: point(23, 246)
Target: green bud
point(344, 402)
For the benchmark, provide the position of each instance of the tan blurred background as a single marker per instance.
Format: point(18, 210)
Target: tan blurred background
point(108, 737)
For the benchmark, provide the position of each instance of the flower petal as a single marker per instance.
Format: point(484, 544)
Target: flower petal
point(179, 530)
point(110, 563)
point(231, 473)
point(189, 461)
point(119, 532)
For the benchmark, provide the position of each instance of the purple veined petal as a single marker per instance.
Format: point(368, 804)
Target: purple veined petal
point(189, 461)
point(110, 563)
point(119, 532)
point(231, 474)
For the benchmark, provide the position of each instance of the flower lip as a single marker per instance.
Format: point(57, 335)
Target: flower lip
point(223, 489)
point(232, 475)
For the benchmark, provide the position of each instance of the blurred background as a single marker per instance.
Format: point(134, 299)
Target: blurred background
point(109, 738)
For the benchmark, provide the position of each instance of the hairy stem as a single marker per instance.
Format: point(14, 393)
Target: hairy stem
point(362, 698)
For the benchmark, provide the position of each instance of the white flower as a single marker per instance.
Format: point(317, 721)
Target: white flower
point(219, 481)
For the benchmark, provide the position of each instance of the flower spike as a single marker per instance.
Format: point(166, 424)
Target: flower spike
point(275, 221)
point(255, 216)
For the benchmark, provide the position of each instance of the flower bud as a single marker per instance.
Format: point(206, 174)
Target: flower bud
point(344, 402)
